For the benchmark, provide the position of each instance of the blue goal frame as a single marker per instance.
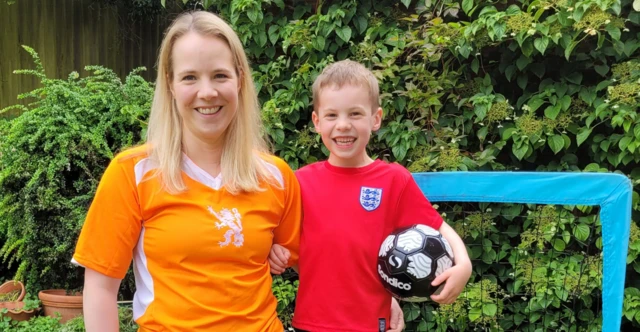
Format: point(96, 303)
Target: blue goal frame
point(612, 192)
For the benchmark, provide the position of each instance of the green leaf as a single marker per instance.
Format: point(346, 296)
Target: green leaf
point(575, 77)
point(636, 131)
point(475, 65)
point(565, 102)
point(482, 133)
point(583, 134)
point(521, 151)
point(163, 3)
point(411, 312)
point(252, 14)
point(541, 44)
point(535, 103)
point(475, 314)
point(556, 143)
point(509, 72)
point(569, 49)
point(406, 3)
point(489, 309)
point(522, 81)
point(508, 133)
point(624, 142)
point(601, 69)
point(361, 23)
point(559, 245)
point(399, 151)
point(604, 145)
point(273, 34)
point(613, 31)
point(467, 5)
point(581, 232)
point(344, 33)
point(522, 62)
point(552, 112)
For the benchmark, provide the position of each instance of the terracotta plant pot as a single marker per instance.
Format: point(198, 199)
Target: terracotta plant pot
point(57, 301)
point(16, 312)
point(13, 286)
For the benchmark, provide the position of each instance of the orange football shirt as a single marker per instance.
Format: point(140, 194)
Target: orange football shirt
point(200, 257)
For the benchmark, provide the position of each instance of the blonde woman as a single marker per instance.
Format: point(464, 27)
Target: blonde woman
point(199, 206)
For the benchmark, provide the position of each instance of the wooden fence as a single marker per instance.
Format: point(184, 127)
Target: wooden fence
point(69, 35)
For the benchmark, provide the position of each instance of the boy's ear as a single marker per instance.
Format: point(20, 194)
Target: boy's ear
point(377, 119)
point(316, 120)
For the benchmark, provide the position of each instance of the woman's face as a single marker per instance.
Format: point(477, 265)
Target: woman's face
point(205, 87)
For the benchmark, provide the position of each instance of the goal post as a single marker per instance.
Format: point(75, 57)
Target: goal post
point(610, 192)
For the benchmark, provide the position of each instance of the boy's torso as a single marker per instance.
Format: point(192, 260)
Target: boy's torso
point(347, 214)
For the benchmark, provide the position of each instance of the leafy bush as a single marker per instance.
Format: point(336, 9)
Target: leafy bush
point(51, 159)
point(544, 85)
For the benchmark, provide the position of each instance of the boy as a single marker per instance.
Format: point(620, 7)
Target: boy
point(341, 232)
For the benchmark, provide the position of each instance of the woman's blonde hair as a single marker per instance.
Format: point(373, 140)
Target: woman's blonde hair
point(242, 162)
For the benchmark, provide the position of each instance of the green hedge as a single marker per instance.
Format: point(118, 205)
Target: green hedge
point(535, 85)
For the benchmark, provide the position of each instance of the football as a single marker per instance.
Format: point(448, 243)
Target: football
point(410, 259)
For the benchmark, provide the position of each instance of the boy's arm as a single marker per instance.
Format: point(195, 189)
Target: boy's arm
point(457, 276)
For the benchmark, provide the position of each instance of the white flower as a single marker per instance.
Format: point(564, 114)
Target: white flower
point(481, 124)
point(500, 126)
point(513, 34)
point(531, 32)
point(593, 32)
point(490, 142)
point(615, 80)
point(477, 53)
point(507, 118)
point(453, 140)
point(615, 106)
point(442, 148)
point(511, 274)
point(607, 21)
point(570, 9)
point(488, 210)
point(526, 107)
point(524, 298)
point(606, 101)
point(540, 141)
point(625, 30)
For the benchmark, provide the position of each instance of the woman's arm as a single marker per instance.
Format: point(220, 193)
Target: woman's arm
point(99, 298)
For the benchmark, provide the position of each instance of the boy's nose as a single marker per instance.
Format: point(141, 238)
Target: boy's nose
point(343, 125)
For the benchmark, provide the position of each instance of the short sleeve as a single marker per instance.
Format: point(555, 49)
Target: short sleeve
point(287, 234)
point(414, 207)
point(113, 223)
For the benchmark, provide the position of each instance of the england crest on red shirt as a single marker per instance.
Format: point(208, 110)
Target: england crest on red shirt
point(370, 198)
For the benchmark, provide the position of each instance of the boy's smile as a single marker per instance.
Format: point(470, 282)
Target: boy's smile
point(345, 118)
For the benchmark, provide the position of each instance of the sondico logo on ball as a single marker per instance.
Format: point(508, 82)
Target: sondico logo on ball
point(393, 281)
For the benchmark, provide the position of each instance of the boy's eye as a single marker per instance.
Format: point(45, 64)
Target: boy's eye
point(356, 113)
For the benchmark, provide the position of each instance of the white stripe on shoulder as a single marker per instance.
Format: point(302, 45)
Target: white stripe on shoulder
point(143, 167)
point(275, 171)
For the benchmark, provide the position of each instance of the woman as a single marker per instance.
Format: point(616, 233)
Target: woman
point(199, 206)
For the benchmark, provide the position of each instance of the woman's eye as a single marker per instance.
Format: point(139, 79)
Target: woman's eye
point(220, 76)
point(189, 78)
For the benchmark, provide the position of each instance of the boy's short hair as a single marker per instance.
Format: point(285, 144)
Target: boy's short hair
point(346, 72)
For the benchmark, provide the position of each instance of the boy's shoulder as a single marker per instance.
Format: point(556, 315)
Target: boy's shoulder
point(312, 168)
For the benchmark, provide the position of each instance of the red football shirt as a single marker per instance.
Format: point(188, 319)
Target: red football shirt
point(347, 213)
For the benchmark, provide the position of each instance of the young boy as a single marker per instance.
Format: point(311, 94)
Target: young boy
point(341, 230)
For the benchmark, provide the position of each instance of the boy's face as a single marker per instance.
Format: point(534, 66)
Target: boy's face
point(345, 118)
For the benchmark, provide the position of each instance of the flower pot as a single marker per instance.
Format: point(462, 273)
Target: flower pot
point(16, 312)
point(57, 301)
point(10, 287)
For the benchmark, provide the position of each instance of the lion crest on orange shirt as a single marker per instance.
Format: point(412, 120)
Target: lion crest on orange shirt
point(233, 220)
